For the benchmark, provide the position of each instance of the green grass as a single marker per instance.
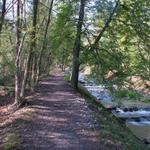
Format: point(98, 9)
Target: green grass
point(127, 94)
point(113, 130)
point(116, 131)
point(121, 95)
point(67, 77)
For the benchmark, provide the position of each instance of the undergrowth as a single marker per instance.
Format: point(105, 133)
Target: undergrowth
point(12, 141)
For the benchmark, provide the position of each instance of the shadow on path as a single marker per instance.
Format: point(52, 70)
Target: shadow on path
point(56, 119)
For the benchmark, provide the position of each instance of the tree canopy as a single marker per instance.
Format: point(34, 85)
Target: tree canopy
point(106, 35)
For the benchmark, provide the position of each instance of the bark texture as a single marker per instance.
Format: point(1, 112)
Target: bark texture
point(77, 47)
point(2, 16)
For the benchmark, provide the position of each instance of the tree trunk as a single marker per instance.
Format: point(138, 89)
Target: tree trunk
point(24, 80)
point(33, 43)
point(33, 74)
point(17, 97)
point(2, 15)
point(29, 60)
point(106, 24)
point(76, 49)
point(44, 45)
point(32, 46)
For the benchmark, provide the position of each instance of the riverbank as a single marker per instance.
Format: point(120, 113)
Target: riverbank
point(112, 128)
point(124, 104)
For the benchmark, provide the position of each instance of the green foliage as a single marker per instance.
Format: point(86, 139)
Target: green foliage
point(128, 94)
point(124, 46)
point(12, 141)
point(63, 35)
point(67, 78)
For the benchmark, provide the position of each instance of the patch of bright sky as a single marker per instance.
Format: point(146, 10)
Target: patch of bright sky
point(11, 5)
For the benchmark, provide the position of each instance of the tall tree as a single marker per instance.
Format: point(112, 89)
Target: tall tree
point(2, 15)
point(44, 45)
point(77, 47)
point(17, 97)
point(33, 56)
point(29, 71)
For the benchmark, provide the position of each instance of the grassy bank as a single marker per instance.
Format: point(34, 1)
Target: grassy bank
point(113, 130)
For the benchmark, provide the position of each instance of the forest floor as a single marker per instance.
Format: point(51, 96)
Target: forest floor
point(56, 118)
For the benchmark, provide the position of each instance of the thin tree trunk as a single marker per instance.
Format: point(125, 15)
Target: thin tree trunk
point(106, 24)
point(24, 80)
point(33, 74)
point(44, 45)
point(13, 12)
point(77, 45)
point(33, 45)
point(25, 59)
point(17, 97)
point(27, 74)
point(2, 15)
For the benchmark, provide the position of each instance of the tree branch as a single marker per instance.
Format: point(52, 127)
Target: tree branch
point(106, 24)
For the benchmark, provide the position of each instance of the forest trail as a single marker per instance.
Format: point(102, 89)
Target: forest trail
point(57, 118)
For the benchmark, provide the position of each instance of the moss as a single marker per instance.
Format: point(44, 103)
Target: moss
point(67, 77)
point(12, 141)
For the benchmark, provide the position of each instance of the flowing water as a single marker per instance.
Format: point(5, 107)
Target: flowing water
point(131, 113)
point(140, 128)
point(137, 119)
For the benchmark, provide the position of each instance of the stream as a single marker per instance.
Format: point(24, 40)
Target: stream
point(136, 119)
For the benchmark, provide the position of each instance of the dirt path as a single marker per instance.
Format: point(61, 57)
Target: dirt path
point(57, 118)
